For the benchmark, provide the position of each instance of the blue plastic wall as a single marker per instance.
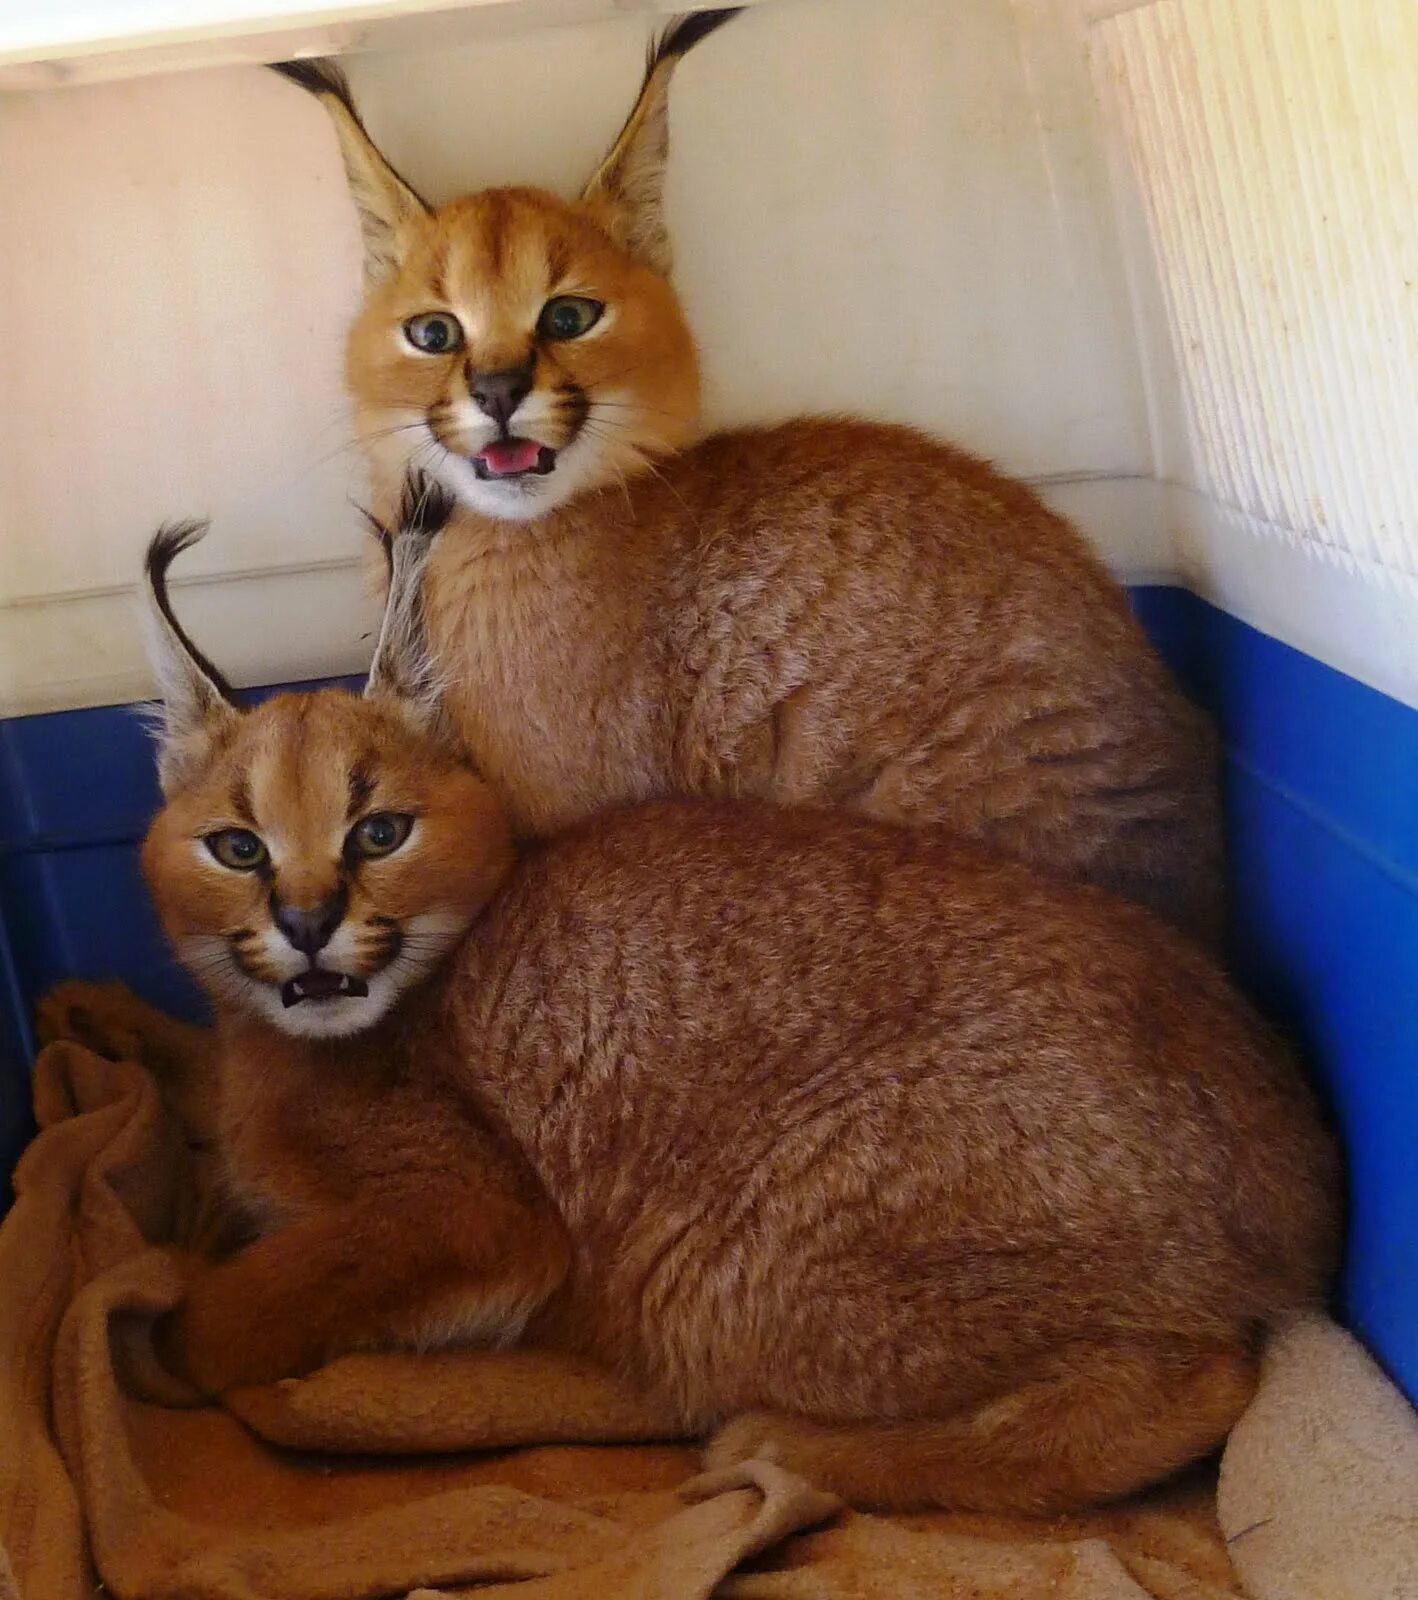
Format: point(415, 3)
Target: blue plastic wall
point(1322, 814)
point(1322, 799)
point(77, 791)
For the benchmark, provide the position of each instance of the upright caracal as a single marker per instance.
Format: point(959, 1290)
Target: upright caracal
point(829, 612)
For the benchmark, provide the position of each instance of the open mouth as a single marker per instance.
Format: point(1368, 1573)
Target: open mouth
point(514, 458)
point(319, 986)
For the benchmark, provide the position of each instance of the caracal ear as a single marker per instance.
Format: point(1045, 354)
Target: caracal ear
point(403, 668)
point(382, 198)
point(198, 709)
point(626, 195)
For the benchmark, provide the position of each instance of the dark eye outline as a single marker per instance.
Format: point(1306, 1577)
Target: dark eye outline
point(415, 328)
point(217, 842)
point(358, 846)
point(594, 309)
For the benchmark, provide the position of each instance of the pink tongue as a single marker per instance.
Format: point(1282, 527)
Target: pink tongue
point(511, 455)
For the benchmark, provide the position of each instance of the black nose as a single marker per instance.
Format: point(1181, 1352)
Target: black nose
point(500, 393)
point(310, 928)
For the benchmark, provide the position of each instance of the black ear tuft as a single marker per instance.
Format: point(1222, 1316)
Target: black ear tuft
point(197, 708)
point(681, 35)
point(163, 549)
point(384, 201)
point(425, 505)
point(402, 667)
point(317, 75)
point(625, 194)
point(167, 544)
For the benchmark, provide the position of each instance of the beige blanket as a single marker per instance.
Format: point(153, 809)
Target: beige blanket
point(383, 1475)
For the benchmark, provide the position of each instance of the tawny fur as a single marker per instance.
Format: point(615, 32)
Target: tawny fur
point(940, 1181)
point(830, 612)
point(1003, 1180)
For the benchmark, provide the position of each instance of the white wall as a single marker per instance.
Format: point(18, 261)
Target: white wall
point(873, 207)
point(1159, 256)
point(879, 205)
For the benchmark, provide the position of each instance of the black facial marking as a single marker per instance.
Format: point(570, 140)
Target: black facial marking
point(350, 859)
point(361, 789)
point(574, 404)
point(241, 802)
point(438, 267)
point(302, 732)
point(558, 260)
point(435, 427)
point(498, 218)
point(380, 946)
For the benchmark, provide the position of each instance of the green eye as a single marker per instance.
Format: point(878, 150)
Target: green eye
point(237, 848)
point(435, 333)
point(568, 317)
point(380, 834)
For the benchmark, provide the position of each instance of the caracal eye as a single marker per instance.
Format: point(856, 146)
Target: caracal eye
point(568, 316)
point(380, 834)
point(436, 333)
point(237, 848)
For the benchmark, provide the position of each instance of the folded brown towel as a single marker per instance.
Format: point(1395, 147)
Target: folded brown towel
point(384, 1474)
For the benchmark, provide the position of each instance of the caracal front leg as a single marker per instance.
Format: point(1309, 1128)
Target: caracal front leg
point(447, 1264)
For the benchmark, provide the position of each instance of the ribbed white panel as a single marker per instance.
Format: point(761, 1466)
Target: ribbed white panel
point(1274, 145)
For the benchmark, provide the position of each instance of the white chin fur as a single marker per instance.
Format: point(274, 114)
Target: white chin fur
point(522, 499)
point(327, 1019)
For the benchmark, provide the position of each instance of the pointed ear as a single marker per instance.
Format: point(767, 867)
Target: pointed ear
point(382, 198)
point(402, 668)
point(198, 708)
point(626, 195)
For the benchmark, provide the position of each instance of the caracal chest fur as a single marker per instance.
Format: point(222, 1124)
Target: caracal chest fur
point(523, 624)
point(828, 613)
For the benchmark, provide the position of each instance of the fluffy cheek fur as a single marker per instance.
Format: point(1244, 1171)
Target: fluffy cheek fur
point(608, 403)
